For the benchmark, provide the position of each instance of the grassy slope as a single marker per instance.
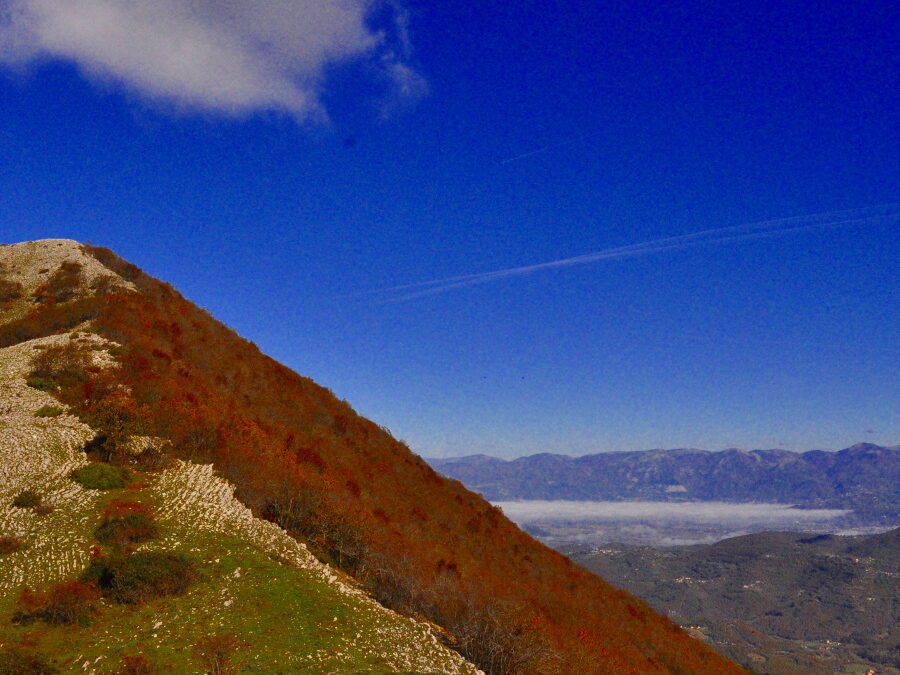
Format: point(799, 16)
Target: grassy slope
point(258, 584)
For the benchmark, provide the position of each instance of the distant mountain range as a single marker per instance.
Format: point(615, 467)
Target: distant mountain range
point(777, 602)
point(864, 477)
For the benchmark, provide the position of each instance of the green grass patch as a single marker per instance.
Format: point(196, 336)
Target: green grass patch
point(100, 476)
point(42, 383)
point(49, 411)
point(27, 499)
point(282, 618)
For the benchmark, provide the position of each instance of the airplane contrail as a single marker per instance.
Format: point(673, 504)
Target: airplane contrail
point(545, 148)
point(768, 228)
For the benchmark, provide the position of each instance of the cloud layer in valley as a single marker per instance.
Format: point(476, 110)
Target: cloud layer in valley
point(235, 57)
point(680, 512)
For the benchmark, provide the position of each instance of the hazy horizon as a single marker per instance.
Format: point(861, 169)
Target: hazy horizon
point(600, 452)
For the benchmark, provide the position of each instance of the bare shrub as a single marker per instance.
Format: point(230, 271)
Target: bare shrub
point(296, 510)
point(389, 580)
point(49, 320)
point(500, 638)
point(113, 262)
point(137, 665)
point(216, 651)
point(332, 532)
point(10, 544)
point(44, 509)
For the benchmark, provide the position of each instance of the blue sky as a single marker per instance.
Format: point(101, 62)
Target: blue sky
point(287, 161)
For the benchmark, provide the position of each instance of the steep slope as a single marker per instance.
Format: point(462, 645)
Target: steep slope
point(259, 588)
point(786, 603)
point(300, 457)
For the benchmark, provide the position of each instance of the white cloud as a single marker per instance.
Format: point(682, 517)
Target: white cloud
point(224, 56)
point(669, 512)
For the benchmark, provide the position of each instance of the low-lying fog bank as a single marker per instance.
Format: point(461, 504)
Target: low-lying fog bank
point(529, 511)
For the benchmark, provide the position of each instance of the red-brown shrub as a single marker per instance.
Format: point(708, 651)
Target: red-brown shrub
point(20, 661)
point(122, 531)
point(10, 544)
point(43, 509)
point(71, 602)
point(62, 284)
point(216, 651)
point(137, 665)
point(9, 290)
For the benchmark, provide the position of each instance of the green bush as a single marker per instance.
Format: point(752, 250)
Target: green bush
point(48, 411)
point(130, 529)
point(41, 383)
point(18, 661)
point(27, 499)
point(100, 476)
point(116, 350)
point(142, 576)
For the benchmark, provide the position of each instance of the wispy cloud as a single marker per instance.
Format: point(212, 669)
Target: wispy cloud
point(235, 57)
point(885, 214)
point(531, 511)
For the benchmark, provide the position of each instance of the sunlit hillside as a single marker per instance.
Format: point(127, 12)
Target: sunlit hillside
point(303, 460)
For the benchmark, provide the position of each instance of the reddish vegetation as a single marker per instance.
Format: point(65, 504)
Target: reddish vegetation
point(9, 544)
point(9, 291)
point(70, 602)
point(62, 285)
point(421, 542)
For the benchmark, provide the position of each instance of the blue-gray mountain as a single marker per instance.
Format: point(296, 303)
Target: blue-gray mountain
point(864, 477)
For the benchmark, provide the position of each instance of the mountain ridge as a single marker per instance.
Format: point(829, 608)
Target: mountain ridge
point(863, 476)
point(297, 455)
